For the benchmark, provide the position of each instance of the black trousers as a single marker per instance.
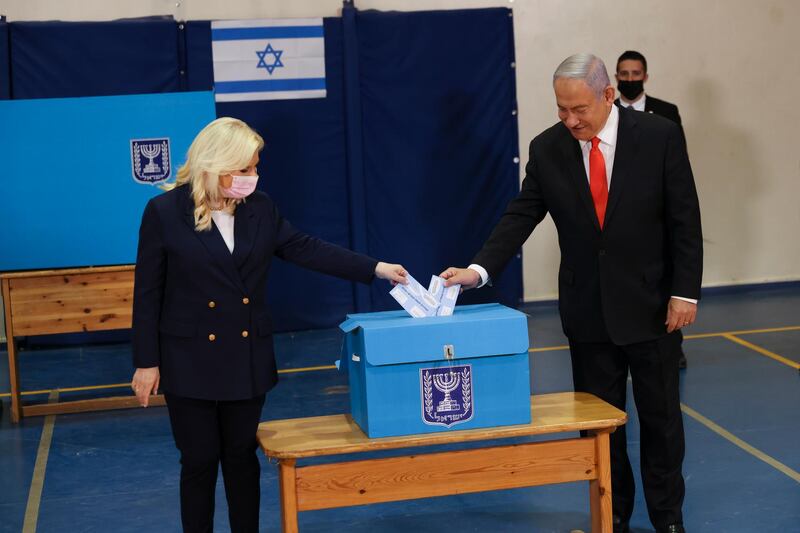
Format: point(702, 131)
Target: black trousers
point(602, 369)
point(208, 433)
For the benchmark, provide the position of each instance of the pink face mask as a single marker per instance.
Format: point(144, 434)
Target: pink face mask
point(241, 187)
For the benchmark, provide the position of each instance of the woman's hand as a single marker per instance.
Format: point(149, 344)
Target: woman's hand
point(145, 381)
point(394, 273)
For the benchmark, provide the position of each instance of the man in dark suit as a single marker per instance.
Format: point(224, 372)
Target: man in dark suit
point(631, 76)
point(620, 190)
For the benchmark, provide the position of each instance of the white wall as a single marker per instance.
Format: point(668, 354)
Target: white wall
point(726, 63)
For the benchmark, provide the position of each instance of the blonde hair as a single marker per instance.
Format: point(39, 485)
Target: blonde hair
point(224, 145)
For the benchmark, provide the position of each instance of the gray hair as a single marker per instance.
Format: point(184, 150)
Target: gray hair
point(586, 67)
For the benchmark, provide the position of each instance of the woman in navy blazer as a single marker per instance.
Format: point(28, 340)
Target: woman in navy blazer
point(201, 329)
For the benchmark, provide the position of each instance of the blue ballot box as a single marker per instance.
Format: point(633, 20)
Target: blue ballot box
point(422, 375)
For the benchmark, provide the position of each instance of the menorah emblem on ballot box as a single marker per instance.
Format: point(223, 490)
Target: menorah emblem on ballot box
point(446, 395)
point(158, 167)
point(447, 383)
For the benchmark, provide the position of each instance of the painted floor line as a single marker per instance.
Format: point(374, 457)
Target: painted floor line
point(306, 369)
point(763, 351)
point(37, 483)
point(548, 349)
point(741, 332)
point(727, 435)
point(128, 384)
point(71, 389)
point(724, 334)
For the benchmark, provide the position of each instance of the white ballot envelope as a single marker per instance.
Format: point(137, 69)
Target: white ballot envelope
point(446, 296)
point(415, 299)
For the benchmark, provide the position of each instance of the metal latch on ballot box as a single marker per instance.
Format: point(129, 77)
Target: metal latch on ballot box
point(449, 351)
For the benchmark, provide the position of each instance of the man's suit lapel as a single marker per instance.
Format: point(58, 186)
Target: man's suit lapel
point(213, 241)
point(571, 151)
point(654, 105)
point(627, 138)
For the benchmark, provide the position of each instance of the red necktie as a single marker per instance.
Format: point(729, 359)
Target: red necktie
point(597, 180)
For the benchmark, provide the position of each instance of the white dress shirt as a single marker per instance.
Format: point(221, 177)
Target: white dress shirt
point(637, 104)
point(224, 222)
point(608, 146)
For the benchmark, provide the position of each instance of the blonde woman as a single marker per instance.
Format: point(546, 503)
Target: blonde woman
point(201, 329)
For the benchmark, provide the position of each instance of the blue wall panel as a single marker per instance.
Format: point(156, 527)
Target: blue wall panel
point(5, 73)
point(63, 59)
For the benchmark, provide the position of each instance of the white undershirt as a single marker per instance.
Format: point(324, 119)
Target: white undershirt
point(224, 222)
point(637, 104)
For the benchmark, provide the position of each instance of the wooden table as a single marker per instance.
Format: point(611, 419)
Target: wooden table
point(45, 302)
point(424, 475)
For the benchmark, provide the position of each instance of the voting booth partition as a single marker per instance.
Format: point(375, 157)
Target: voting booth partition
point(423, 375)
point(404, 159)
point(83, 206)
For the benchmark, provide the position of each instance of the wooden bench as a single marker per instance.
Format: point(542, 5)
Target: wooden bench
point(46, 302)
point(424, 475)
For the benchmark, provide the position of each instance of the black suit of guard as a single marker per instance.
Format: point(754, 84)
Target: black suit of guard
point(661, 108)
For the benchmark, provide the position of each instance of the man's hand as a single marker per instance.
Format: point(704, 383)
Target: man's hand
point(680, 313)
point(145, 381)
point(466, 277)
point(394, 273)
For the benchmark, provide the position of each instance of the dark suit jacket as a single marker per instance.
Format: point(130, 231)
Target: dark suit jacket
point(613, 284)
point(199, 312)
point(661, 108)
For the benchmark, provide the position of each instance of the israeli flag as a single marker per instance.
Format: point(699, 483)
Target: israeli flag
point(268, 59)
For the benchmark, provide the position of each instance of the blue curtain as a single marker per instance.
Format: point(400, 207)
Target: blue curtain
point(67, 59)
point(439, 144)
point(5, 73)
point(410, 158)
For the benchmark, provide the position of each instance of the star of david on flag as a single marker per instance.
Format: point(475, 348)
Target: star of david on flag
point(268, 59)
point(274, 63)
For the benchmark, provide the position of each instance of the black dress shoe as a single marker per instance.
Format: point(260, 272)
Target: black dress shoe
point(673, 528)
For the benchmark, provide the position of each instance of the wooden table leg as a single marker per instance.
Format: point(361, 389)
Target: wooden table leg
point(600, 488)
point(13, 369)
point(288, 478)
point(13, 374)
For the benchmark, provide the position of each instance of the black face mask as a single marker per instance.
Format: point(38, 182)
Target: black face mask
point(630, 89)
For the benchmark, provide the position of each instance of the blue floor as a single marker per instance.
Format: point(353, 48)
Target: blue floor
point(117, 471)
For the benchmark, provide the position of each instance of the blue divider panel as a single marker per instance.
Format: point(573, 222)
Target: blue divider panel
point(67, 179)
